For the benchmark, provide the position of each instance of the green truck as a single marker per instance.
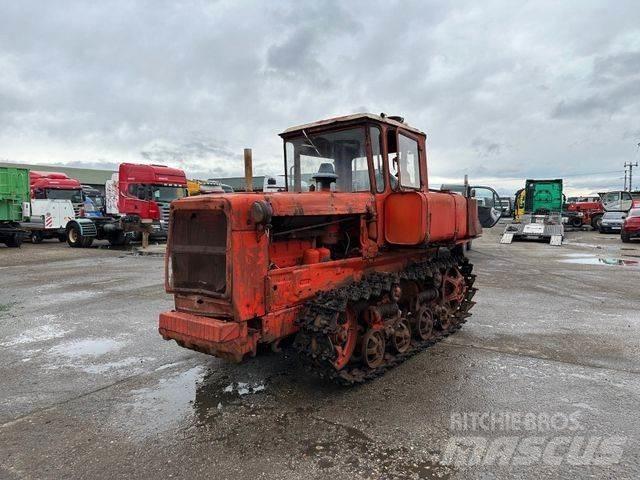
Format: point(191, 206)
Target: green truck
point(542, 217)
point(543, 197)
point(14, 190)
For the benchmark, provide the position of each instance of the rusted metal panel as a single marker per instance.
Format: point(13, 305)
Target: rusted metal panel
point(250, 260)
point(319, 203)
point(279, 325)
point(406, 218)
point(205, 328)
point(442, 220)
point(348, 119)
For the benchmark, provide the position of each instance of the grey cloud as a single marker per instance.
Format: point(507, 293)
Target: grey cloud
point(614, 67)
point(502, 89)
point(486, 147)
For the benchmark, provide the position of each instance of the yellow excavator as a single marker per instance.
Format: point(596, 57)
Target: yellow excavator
point(193, 186)
point(198, 187)
point(518, 209)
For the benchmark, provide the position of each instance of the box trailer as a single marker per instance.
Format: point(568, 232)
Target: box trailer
point(14, 192)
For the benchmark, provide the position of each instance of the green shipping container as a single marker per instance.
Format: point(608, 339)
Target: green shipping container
point(543, 196)
point(14, 189)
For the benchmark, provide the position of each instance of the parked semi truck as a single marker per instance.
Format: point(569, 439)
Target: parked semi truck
point(51, 200)
point(14, 192)
point(137, 202)
point(55, 199)
point(539, 213)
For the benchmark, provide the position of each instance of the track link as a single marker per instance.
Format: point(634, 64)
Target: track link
point(318, 319)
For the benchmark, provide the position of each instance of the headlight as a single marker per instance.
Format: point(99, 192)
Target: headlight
point(261, 212)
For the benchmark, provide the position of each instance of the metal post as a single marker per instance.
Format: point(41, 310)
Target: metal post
point(248, 170)
point(630, 165)
point(625, 180)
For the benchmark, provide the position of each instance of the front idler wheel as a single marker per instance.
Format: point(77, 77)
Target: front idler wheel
point(344, 338)
point(373, 346)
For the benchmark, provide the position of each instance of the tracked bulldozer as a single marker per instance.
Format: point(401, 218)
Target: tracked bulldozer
point(357, 265)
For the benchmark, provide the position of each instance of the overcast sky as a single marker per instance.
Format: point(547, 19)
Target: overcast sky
point(505, 91)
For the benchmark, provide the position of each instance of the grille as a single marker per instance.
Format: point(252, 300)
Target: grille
point(164, 216)
point(88, 229)
point(198, 251)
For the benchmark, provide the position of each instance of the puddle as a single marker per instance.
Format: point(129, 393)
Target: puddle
point(92, 347)
point(121, 248)
point(37, 334)
point(162, 407)
point(587, 259)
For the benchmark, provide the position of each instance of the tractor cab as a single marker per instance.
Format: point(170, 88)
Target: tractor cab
point(357, 153)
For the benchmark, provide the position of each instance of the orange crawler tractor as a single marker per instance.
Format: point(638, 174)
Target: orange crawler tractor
point(358, 262)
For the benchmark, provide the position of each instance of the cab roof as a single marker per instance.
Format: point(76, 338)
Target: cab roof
point(354, 118)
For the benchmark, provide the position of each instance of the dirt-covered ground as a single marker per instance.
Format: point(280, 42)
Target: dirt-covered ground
point(544, 379)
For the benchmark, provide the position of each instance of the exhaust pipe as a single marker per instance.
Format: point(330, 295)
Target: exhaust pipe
point(248, 170)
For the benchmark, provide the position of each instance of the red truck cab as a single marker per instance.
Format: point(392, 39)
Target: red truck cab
point(55, 186)
point(148, 190)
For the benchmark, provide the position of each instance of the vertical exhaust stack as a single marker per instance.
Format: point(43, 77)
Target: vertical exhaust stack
point(248, 170)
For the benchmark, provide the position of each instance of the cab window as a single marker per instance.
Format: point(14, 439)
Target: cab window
point(376, 152)
point(408, 162)
point(335, 158)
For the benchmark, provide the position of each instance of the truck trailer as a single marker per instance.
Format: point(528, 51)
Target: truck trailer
point(137, 200)
point(14, 192)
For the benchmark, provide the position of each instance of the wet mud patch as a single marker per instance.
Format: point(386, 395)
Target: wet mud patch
point(355, 453)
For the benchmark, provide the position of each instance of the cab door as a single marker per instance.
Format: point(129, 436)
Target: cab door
point(619, 201)
point(489, 207)
point(406, 215)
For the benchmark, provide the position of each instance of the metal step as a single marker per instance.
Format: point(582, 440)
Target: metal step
point(556, 240)
point(506, 238)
